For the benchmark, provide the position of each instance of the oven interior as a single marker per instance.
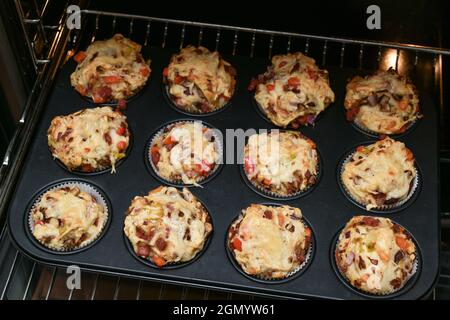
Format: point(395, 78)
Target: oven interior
point(39, 26)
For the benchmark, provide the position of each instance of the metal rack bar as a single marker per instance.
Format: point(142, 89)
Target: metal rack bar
point(30, 278)
point(10, 273)
point(94, 288)
point(385, 44)
point(117, 289)
point(52, 282)
point(138, 292)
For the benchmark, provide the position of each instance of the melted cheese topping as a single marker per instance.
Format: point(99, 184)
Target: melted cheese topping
point(186, 152)
point(282, 163)
point(380, 173)
point(115, 64)
point(375, 254)
point(67, 218)
point(89, 139)
point(167, 224)
point(293, 91)
point(269, 241)
point(199, 80)
point(384, 102)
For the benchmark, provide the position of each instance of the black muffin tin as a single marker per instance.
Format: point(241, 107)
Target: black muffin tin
point(326, 208)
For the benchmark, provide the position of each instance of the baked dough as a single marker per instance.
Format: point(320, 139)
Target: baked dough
point(380, 174)
point(293, 91)
point(167, 225)
point(89, 140)
point(199, 81)
point(376, 255)
point(281, 163)
point(269, 241)
point(185, 152)
point(67, 218)
point(384, 102)
point(112, 69)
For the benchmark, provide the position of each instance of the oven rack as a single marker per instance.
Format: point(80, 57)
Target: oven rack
point(259, 42)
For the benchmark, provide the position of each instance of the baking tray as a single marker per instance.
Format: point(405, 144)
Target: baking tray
point(326, 207)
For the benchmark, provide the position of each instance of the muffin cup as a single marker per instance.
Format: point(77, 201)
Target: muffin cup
point(138, 92)
point(275, 196)
point(84, 187)
point(388, 208)
point(178, 183)
point(101, 169)
point(263, 115)
point(299, 270)
point(407, 284)
point(173, 105)
point(173, 265)
point(374, 134)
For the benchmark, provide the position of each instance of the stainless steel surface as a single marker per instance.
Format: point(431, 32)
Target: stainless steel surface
point(22, 278)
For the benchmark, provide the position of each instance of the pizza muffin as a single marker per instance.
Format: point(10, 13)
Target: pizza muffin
point(185, 152)
point(381, 174)
point(67, 218)
point(89, 140)
point(167, 226)
point(293, 90)
point(384, 102)
point(112, 69)
point(270, 242)
point(375, 255)
point(199, 81)
point(281, 163)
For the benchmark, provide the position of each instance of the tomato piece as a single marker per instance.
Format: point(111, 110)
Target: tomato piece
point(160, 262)
point(87, 168)
point(237, 244)
point(155, 155)
point(145, 71)
point(351, 113)
point(178, 79)
point(121, 145)
point(203, 168)
point(39, 222)
point(293, 81)
point(80, 56)
point(112, 79)
point(361, 149)
point(270, 87)
point(409, 155)
point(312, 144)
point(403, 128)
point(383, 255)
point(87, 150)
point(121, 131)
point(308, 232)
point(402, 243)
point(280, 220)
point(166, 72)
point(249, 165)
point(168, 141)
